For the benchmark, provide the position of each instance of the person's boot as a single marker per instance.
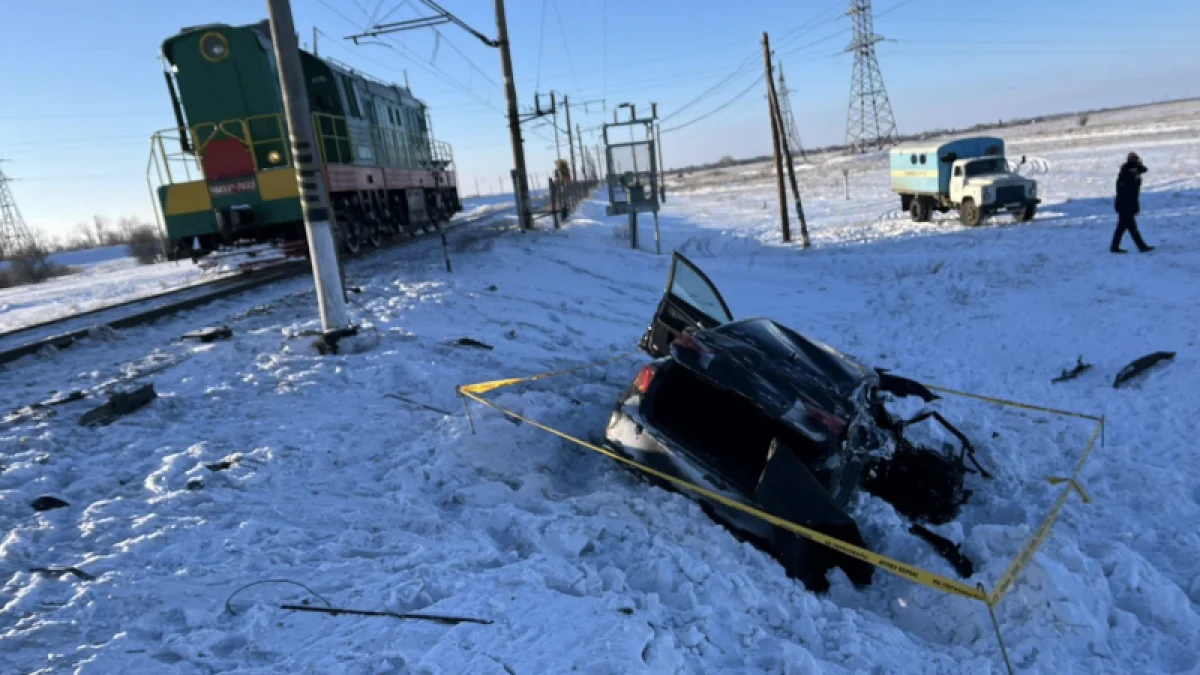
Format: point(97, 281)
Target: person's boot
point(1116, 250)
point(1146, 248)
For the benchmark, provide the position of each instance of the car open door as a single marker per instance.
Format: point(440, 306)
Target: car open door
point(690, 301)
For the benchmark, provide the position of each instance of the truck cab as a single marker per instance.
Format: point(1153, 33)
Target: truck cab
point(971, 175)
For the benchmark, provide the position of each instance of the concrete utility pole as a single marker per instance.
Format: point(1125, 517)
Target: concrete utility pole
point(314, 40)
point(570, 136)
point(314, 203)
point(783, 214)
point(514, 120)
point(662, 175)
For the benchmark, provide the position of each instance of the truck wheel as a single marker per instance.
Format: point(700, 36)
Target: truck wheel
point(919, 210)
point(1026, 214)
point(969, 213)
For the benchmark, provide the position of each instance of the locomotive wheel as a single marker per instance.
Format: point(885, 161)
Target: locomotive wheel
point(351, 240)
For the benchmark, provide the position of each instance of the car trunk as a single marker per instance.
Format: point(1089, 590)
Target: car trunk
point(724, 427)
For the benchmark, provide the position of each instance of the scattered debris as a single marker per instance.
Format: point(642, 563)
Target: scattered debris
point(493, 288)
point(1079, 369)
point(47, 503)
point(395, 615)
point(59, 571)
point(627, 611)
point(219, 466)
point(511, 335)
point(471, 342)
point(120, 403)
point(195, 483)
point(1139, 366)
point(409, 401)
point(209, 334)
point(354, 289)
point(949, 550)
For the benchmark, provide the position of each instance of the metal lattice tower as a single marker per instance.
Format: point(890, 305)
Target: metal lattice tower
point(790, 132)
point(870, 123)
point(14, 235)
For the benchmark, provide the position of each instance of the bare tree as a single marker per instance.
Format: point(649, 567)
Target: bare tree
point(84, 236)
point(100, 231)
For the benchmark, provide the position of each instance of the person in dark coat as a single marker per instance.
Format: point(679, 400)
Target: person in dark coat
point(1128, 203)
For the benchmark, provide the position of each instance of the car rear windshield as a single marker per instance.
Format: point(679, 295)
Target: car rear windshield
point(780, 342)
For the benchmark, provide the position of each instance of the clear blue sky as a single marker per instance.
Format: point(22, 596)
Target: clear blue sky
point(83, 90)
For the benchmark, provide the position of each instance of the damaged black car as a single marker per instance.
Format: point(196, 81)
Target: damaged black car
point(762, 415)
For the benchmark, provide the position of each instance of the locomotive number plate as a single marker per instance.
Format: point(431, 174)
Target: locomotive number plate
point(232, 187)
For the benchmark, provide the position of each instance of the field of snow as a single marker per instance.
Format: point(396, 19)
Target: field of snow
point(263, 461)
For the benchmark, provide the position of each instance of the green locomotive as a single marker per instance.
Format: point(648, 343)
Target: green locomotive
point(232, 179)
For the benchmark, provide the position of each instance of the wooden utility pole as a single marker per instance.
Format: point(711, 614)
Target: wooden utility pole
point(791, 169)
point(783, 215)
point(314, 202)
point(570, 136)
point(521, 188)
point(314, 40)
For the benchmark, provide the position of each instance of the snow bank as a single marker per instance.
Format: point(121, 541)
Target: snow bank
point(376, 503)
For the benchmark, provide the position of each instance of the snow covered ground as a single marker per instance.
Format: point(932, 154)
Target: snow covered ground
point(379, 504)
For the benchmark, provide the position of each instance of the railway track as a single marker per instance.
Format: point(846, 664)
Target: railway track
point(62, 333)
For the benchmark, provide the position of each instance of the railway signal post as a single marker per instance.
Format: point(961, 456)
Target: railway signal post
point(314, 202)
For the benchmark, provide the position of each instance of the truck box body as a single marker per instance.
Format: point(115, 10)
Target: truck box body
point(924, 169)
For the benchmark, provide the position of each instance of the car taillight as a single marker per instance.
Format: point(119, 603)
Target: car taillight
point(643, 379)
point(832, 422)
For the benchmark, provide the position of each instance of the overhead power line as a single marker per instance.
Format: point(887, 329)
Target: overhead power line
point(723, 106)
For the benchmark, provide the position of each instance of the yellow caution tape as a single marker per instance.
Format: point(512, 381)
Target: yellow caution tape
point(912, 573)
point(484, 387)
point(1058, 480)
point(920, 576)
point(1015, 404)
point(1039, 537)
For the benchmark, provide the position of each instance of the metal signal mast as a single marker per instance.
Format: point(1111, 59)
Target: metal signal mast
point(870, 123)
point(790, 132)
point(14, 235)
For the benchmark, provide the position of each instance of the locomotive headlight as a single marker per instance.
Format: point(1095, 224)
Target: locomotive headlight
point(274, 157)
point(214, 47)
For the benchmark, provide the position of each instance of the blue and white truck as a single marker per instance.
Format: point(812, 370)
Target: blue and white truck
point(967, 174)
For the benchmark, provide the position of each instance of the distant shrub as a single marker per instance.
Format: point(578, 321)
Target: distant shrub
point(29, 266)
point(1083, 120)
point(144, 244)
